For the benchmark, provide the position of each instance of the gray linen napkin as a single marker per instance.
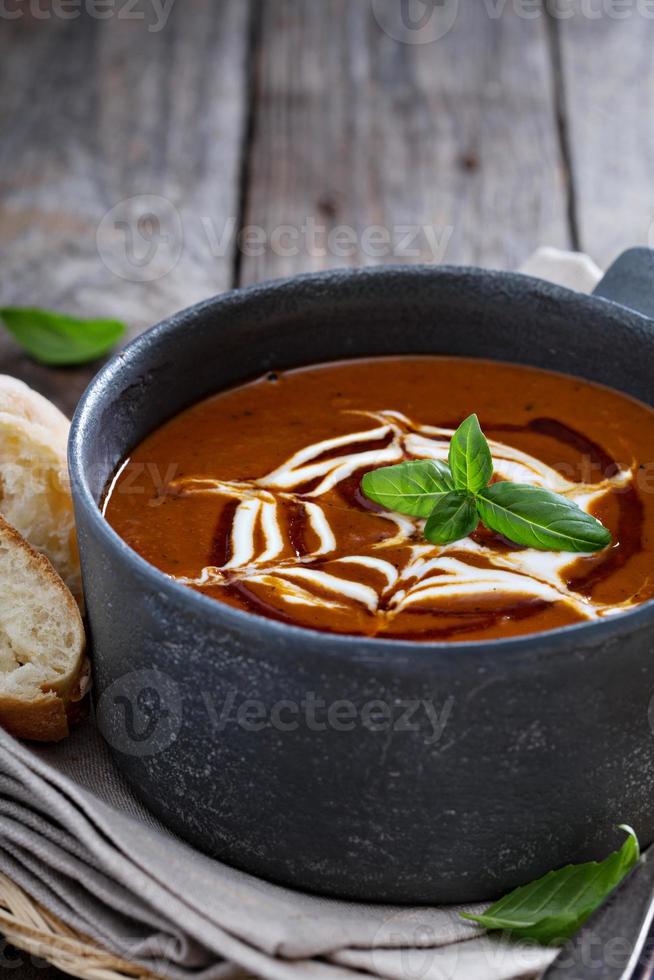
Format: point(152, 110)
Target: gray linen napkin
point(74, 837)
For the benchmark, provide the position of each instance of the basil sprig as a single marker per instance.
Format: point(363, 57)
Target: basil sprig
point(552, 908)
point(470, 457)
point(539, 518)
point(453, 499)
point(416, 490)
point(60, 340)
point(454, 517)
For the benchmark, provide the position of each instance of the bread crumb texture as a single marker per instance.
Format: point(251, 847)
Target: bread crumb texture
point(34, 486)
point(43, 669)
point(41, 642)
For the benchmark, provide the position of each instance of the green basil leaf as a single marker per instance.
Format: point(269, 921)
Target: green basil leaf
point(541, 519)
point(453, 517)
point(553, 907)
point(409, 488)
point(470, 457)
point(57, 339)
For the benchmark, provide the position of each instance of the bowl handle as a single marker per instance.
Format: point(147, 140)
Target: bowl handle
point(630, 281)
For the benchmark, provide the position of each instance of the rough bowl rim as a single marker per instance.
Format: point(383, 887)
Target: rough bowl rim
point(353, 646)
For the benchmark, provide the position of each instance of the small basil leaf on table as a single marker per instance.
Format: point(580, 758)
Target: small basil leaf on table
point(470, 457)
point(409, 488)
point(59, 340)
point(453, 517)
point(553, 907)
point(538, 518)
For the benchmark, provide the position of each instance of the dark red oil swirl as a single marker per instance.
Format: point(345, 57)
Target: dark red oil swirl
point(600, 461)
point(584, 576)
point(221, 542)
point(628, 541)
point(297, 527)
point(628, 538)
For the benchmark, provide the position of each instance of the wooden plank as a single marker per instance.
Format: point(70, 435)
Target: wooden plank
point(98, 112)
point(357, 128)
point(608, 81)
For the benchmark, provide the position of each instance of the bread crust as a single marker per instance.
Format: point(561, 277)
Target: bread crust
point(33, 468)
point(21, 401)
point(47, 715)
point(42, 720)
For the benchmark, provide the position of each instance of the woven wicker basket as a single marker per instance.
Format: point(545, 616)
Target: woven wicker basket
point(31, 928)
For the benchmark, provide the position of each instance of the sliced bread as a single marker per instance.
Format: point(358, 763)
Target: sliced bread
point(43, 670)
point(34, 487)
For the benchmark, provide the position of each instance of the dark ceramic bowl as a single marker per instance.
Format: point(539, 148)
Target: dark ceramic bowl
point(489, 762)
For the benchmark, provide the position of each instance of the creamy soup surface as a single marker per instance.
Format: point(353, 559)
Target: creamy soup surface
point(252, 497)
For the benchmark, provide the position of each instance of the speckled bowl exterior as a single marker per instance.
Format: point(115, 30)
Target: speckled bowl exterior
point(266, 745)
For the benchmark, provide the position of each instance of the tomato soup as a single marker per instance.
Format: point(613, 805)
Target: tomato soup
point(253, 498)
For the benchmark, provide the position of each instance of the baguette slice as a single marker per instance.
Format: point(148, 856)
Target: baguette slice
point(34, 486)
point(43, 670)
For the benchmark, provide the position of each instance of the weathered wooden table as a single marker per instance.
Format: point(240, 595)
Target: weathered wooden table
point(134, 147)
point(138, 140)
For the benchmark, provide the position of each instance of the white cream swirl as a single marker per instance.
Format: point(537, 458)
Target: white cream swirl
point(429, 575)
